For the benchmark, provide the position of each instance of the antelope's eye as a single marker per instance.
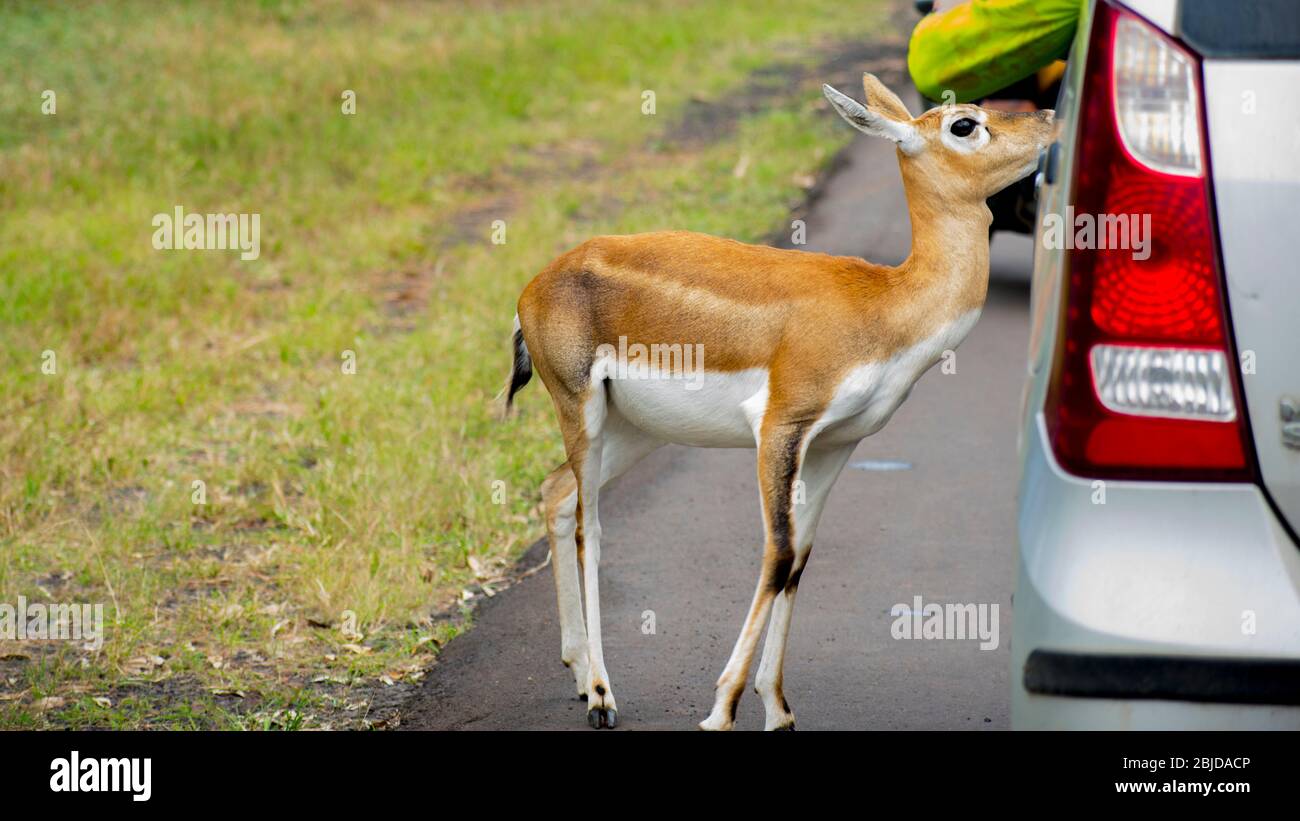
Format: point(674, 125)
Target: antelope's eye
point(963, 127)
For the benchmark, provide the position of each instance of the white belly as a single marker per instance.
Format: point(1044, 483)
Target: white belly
point(715, 410)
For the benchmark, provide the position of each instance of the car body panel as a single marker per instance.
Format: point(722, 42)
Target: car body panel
point(1253, 119)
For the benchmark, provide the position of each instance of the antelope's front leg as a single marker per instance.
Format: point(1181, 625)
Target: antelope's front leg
point(818, 473)
point(780, 450)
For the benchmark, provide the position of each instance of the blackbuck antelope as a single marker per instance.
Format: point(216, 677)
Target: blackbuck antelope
point(804, 354)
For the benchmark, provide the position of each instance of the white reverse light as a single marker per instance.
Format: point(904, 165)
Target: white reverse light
point(1179, 383)
point(1155, 100)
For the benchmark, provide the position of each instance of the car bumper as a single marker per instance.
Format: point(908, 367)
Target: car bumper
point(1145, 605)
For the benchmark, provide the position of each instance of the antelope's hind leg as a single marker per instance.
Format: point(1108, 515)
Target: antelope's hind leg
point(624, 446)
point(560, 497)
point(599, 444)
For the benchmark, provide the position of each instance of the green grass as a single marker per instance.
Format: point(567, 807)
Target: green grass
point(373, 492)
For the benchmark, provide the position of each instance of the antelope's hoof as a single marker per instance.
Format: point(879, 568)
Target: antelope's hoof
point(599, 717)
point(784, 728)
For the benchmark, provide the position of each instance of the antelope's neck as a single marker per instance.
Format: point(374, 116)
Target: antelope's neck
point(949, 261)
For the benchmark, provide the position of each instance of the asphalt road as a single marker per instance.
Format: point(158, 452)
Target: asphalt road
point(682, 538)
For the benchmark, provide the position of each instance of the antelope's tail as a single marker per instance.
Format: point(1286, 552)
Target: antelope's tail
point(521, 370)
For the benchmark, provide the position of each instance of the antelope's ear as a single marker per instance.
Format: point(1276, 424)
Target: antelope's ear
point(881, 98)
point(878, 119)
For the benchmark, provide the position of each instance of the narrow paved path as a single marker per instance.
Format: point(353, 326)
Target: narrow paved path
point(683, 539)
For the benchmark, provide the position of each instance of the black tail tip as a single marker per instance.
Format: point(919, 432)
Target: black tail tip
point(521, 371)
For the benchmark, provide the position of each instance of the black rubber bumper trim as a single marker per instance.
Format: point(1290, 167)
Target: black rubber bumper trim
point(1168, 678)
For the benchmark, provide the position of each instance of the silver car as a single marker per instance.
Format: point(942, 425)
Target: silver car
point(1159, 569)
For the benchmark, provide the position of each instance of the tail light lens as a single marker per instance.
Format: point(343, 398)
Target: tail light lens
point(1145, 381)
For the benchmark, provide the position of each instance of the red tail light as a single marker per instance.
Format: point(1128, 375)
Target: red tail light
point(1145, 385)
point(1145, 381)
